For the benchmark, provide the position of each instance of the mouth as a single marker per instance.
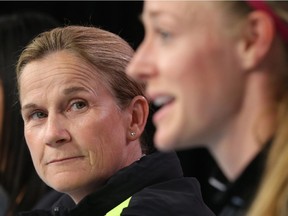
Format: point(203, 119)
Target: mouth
point(162, 101)
point(62, 160)
point(163, 105)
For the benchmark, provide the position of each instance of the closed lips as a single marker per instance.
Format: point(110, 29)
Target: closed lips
point(63, 159)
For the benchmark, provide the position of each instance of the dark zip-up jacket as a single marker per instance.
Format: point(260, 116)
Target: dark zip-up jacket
point(156, 185)
point(235, 198)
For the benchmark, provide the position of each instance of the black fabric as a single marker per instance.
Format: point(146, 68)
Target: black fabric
point(50, 198)
point(158, 187)
point(172, 198)
point(237, 196)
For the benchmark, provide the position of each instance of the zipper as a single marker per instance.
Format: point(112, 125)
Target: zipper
point(56, 211)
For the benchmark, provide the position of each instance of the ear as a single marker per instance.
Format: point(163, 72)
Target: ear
point(256, 40)
point(139, 110)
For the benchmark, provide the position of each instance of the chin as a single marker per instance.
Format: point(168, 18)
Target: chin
point(63, 185)
point(164, 145)
point(164, 148)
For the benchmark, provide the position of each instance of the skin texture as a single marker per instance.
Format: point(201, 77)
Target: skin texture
point(210, 80)
point(77, 135)
point(195, 112)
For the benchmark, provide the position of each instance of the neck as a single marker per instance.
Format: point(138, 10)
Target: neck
point(246, 134)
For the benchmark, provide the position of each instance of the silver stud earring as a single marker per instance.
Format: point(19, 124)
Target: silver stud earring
point(132, 133)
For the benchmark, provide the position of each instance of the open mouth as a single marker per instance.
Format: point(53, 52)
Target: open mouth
point(161, 101)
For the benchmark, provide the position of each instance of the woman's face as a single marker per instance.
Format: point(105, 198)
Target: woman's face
point(74, 129)
point(189, 63)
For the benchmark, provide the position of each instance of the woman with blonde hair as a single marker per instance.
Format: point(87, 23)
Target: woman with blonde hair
point(218, 70)
point(83, 123)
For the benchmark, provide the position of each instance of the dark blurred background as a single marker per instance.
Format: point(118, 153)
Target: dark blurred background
point(120, 17)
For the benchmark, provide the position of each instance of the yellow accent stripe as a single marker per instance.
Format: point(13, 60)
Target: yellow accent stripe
point(118, 209)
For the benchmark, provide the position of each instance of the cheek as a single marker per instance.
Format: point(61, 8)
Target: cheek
point(37, 154)
point(28, 137)
point(103, 138)
point(34, 146)
point(104, 160)
point(178, 64)
point(184, 74)
point(31, 138)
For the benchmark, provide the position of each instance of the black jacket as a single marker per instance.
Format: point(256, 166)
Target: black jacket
point(234, 198)
point(157, 187)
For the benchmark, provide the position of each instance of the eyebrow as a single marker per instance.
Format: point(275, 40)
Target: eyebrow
point(28, 106)
point(66, 91)
point(74, 89)
point(151, 14)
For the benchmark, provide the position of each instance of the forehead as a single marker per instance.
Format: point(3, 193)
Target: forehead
point(171, 7)
point(178, 10)
point(60, 63)
point(58, 69)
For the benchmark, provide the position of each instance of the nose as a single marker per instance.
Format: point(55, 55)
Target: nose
point(142, 66)
point(56, 132)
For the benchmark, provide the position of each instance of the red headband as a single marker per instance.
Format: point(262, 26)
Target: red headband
point(281, 26)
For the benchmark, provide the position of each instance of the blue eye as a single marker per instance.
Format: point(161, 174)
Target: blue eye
point(38, 115)
point(164, 35)
point(78, 105)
